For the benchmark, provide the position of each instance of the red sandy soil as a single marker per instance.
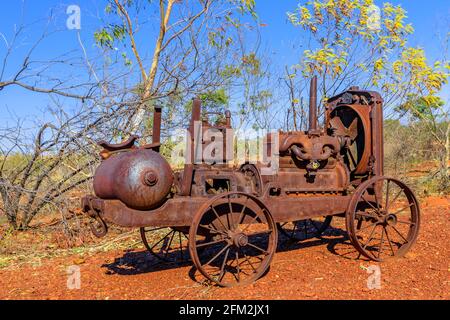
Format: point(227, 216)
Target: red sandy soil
point(316, 269)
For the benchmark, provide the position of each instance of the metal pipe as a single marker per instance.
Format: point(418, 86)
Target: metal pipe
point(228, 118)
point(196, 141)
point(156, 137)
point(313, 104)
point(196, 110)
point(188, 171)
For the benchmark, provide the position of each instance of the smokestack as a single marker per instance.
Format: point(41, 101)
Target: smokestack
point(156, 138)
point(196, 110)
point(313, 105)
point(196, 131)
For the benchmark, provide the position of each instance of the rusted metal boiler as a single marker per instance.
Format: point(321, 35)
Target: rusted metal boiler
point(227, 219)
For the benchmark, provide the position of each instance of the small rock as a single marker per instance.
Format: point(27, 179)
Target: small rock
point(411, 255)
point(79, 261)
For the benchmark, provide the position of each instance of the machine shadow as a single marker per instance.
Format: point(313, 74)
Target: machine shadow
point(330, 238)
point(335, 240)
point(140, 262)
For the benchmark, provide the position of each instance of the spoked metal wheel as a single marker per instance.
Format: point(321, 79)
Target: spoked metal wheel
point(305, 229)
point(383, 218)
point(241, 242)
point(166, 244)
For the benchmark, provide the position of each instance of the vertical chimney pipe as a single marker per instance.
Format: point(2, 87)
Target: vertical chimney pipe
point(156, 136)
point(196, 110)
point(313, 104)
point(189, 166)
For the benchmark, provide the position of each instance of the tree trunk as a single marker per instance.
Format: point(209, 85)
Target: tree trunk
point(150, 81)
point(10, 211)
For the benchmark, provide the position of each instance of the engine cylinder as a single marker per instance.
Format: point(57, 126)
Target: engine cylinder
point(140, 178)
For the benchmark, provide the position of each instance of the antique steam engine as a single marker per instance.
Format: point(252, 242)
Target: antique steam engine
point(226, 218)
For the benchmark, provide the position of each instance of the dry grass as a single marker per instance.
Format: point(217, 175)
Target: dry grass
point(34, 245)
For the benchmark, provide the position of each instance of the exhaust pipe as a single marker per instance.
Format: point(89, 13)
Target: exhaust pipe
point(156, 136)
point(188, 172)
point(313, 105)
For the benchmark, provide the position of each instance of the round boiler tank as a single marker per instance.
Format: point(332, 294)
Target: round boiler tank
point(141, 179)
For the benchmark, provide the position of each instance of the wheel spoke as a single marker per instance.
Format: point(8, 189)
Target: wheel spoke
point(169, 244)
point(238, 267)
point(218, 218)
point(387, 196)
point(403, 209)
point(250, 223)
point(381, 243)
point(406, 222)
point(224, 263)
point(395, 198)
point(367, 215)
point(370, 237)
point(231, 215)
point(217, 255)
point(395, 229)
point(293, 228)
point(161, 240)
point(389, 240)
point(210, 243)
point(376, 197)
point(212, 229)
point(362, 197)
point(258, 248)
point(241, 214)
point(248, 260)
point(360, 222)
point(365, 227)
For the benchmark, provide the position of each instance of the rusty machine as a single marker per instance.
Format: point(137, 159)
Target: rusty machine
point(226, 219)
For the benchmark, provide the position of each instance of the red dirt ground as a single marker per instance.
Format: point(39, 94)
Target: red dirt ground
point(317, 269)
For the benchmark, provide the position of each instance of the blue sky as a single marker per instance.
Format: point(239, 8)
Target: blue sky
point(426, 16)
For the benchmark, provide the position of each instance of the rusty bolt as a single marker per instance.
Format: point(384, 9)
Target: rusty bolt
point(150, 178)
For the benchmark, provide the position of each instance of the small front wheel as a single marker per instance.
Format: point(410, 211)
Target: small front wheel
point(383, 218)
